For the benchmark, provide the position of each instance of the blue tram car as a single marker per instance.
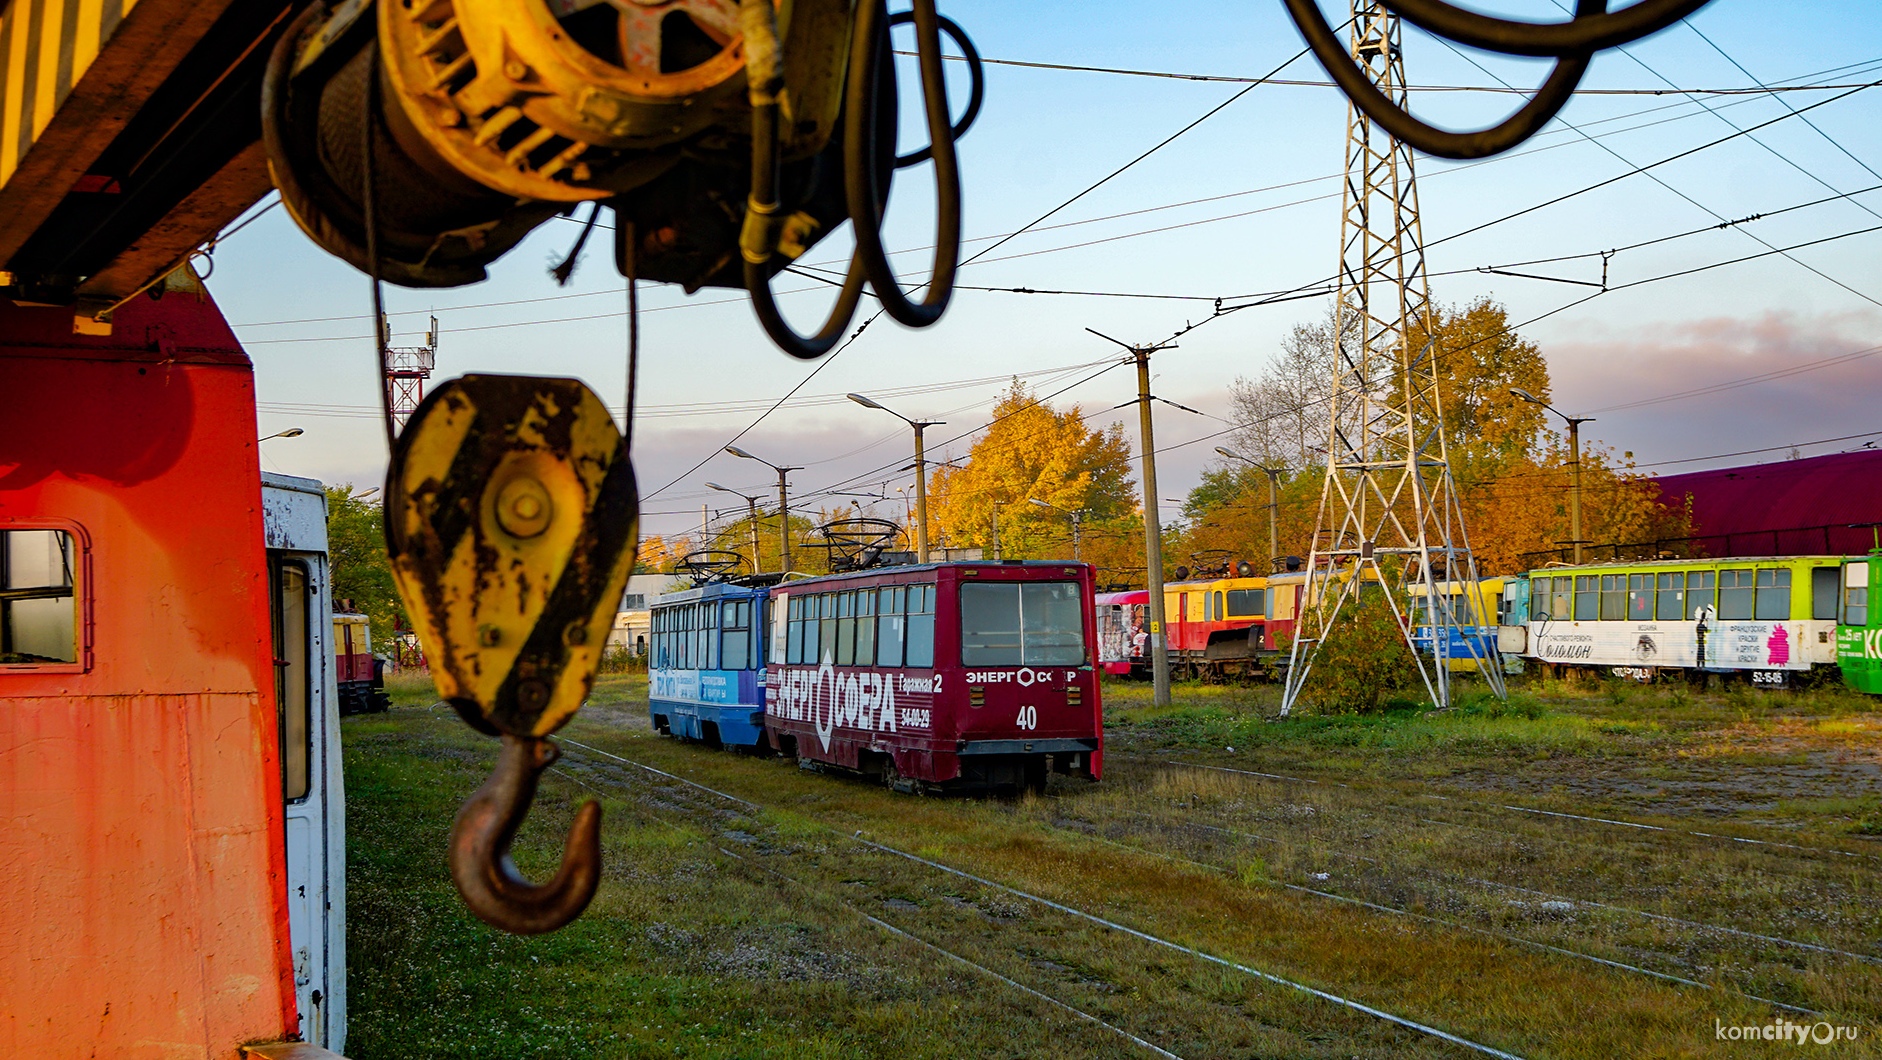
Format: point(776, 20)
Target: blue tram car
point(706, 671)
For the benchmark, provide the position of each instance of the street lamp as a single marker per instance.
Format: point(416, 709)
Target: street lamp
point(784, 506)
point(291, 432)
point(921, 472)
point(753, 503)
point(1078, 521)
point(1574, 459)
point(1274, 505)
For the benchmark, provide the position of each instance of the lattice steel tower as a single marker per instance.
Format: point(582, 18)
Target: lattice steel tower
point(1389, 515)
point(407, 369)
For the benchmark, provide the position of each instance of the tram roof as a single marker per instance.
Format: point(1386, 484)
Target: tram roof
point(1696, 561)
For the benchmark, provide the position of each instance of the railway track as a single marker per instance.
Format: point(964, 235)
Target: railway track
point(682, 801)
point(1651, 878)
point(749, 821)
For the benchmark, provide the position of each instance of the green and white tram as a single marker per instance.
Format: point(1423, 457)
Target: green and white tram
point(1859, 631)
point(1770, 617)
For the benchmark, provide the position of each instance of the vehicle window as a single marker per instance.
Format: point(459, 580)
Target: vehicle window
point(846, 629)
point(736, 653)
point(1022, 624)
point(866, 628)
point(794, 632)
point(1823, 586)
point(1640, 597)
point(891, 627)
point(1735, 594)
point(1587, 597)
point(1670, 596)
point(38, 597)
point(1247, 603)
point(826, 627)
point(710, 634)
point(1563, 606)
point(293, 680)
point(1774, 594)
point(1856, 594)
point(920, 646)
point(1613, 597)
point(1700, 592)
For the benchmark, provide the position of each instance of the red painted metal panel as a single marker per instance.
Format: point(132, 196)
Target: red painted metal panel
point(1787, 507)
point(142, 871)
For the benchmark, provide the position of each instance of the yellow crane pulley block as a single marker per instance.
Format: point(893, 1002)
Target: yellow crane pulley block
point(511, 513)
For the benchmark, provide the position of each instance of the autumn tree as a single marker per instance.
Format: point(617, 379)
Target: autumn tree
point(358, 567)
point(1509, 465)
point(1033, 451)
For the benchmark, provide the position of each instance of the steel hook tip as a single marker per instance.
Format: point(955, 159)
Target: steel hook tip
point(480, 847)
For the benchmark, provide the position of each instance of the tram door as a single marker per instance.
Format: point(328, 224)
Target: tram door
point(307, 704)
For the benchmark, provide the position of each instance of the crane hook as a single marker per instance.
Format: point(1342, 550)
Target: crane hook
point(480, 847)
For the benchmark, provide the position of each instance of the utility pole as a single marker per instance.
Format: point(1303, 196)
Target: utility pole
point(1274, 503)
point(1574, 461)
point(1389, 514)
point(1077, 517)
point(921, 472)
point(1153, 526)
point(784, 505)
point(752, 503)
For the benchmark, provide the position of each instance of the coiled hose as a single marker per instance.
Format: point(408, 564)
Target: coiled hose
point(861, 149)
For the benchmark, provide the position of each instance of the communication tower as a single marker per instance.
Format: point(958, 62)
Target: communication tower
point(1389, 518)
point(407, 368)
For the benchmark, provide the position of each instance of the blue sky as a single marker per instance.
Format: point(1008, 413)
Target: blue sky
point(1268, 166)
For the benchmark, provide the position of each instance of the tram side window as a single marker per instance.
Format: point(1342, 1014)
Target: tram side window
point(1640, 597)
point(1735, 594)
point(1247, 603)
point(1670, 596)
point(846, 629)
point(1613, 597)
point(866, 628)
point(1774, 594)
point(1823, 586)
point(921, 625)
point(891, 627)
point(1562, 605)
point(736, 654)
point(1587, 597)
point(794, 631)
point(1700, 591)
point(293, 680)
point(1856, 594)
point(38, 597)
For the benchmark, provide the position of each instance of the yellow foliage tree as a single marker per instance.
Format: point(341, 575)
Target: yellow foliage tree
point(1035, 452)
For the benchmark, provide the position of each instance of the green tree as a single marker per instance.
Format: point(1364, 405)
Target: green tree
point(358, 567)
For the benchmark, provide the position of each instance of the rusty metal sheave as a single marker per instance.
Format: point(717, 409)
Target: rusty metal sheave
point(511, 514)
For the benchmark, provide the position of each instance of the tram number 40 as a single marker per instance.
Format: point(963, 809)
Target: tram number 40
point(1028, 718)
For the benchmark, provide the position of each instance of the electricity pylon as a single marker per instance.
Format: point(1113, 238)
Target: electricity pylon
point(1389, 522)
point(407, 368)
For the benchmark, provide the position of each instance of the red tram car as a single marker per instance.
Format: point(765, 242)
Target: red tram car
point(950, 675)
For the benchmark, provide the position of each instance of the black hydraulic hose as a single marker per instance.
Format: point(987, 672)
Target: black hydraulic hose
point(1480, 143)
point(1583, 33)
point(977, 75)
point(866, 207)
point(758, 241)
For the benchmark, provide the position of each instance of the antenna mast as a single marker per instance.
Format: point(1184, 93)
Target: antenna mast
point(406, 372)
point(1389, 517)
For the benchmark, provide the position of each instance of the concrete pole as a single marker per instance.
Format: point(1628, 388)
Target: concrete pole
point(921, 497)
point(1574, 500)
point(1153, 535)
point(996, 534)
point(784, 523)
point(756, 564)
point(1078, 519)
point(1274, 506)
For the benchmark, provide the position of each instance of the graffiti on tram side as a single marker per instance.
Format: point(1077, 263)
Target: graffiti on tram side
point(1728, 645)
point(858, 699)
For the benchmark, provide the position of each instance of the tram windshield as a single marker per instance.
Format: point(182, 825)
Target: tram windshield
point(1022, 624)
